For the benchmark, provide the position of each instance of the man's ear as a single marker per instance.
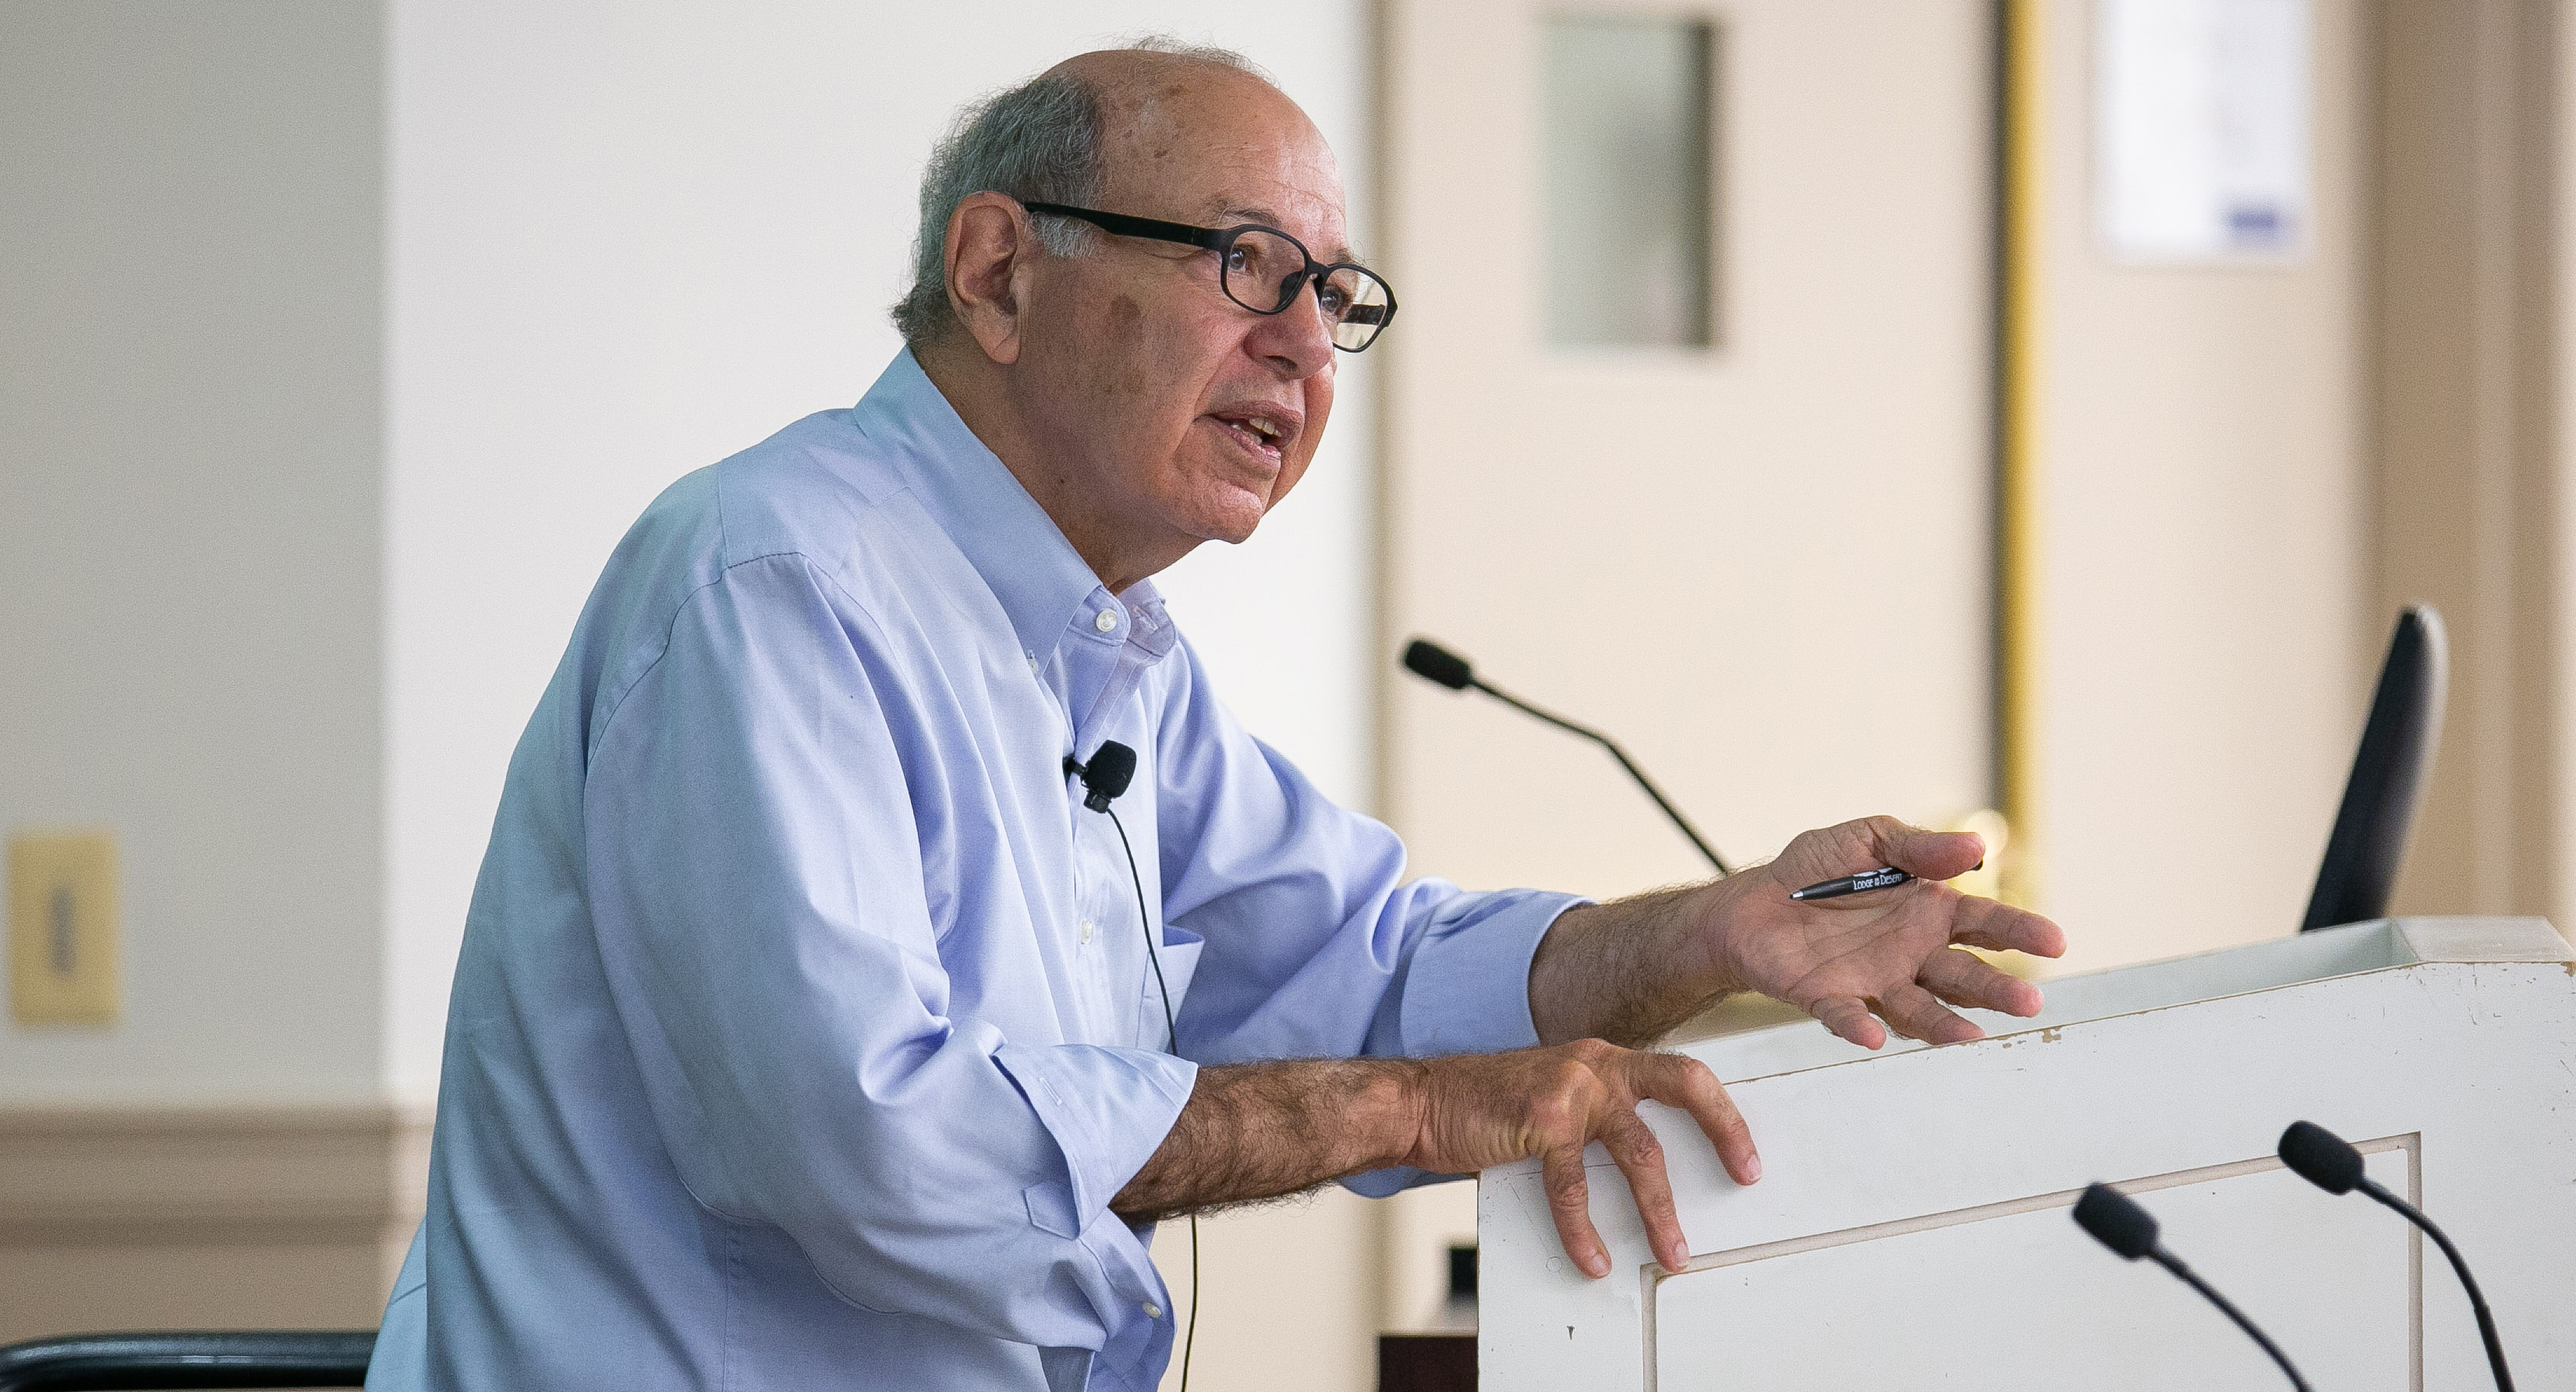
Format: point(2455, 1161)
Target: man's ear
point(990, 259)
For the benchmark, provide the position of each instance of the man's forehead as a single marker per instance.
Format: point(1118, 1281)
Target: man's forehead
point(1214, 144)
point(1214, 190)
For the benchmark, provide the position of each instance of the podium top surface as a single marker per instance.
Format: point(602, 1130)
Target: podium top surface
point(2378, 945)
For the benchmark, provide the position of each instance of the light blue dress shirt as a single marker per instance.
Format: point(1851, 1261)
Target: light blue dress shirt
point(804, 1029)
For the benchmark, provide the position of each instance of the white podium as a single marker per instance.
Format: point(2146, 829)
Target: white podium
point(1911, 1228)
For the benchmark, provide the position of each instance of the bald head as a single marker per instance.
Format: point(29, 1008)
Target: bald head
point(1136, 72)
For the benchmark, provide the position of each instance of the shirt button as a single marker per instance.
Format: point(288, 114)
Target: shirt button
point(1086, 930)
point(1153, 1311)
point(1105, 620)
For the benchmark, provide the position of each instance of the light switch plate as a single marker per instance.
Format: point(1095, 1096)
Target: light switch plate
point(63, 937)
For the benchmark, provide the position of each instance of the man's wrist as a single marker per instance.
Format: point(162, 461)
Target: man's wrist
point(1399, 1099)
point(1713, 932)
point(1626, 971)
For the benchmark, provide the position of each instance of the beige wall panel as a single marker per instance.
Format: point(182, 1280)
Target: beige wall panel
point(87, 1286)
point(1762, 566)
point(1290, 1296)
point(2203, 583)
point(2559, 188)
point(2468, 463)
point(204, 1217)
point(1420, 1227)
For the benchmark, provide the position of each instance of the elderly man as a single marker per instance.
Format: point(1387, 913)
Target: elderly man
point(810, 1028)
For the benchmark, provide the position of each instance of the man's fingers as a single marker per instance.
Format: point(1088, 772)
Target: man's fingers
point(1640, 1157)
point(2003, 928)
point(1913, 1012)
point(1962, 978)
point(1927, 855)
point(1848, 1017)
point(1687, 1084)
point(1569, 1202)
point(1843, 849)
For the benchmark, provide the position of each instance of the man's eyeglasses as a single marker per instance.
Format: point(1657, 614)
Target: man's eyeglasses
point(1263, 268)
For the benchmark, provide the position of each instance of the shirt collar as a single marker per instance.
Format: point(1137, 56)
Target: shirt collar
point(1019, 551)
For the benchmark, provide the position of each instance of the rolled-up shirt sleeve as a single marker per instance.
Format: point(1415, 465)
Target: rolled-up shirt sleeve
point(1316, 943)
point(756, 868)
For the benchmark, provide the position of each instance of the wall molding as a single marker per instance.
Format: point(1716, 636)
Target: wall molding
point(129, 1175)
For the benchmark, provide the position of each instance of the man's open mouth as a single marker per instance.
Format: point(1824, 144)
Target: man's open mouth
point(1262, 433)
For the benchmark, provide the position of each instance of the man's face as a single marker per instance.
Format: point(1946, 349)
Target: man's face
point(1178, 410)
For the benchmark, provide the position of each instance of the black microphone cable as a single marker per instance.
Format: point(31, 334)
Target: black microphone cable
point(1112, 766)
point(2115, 1220)
point(1436, 664)
point(2329, 1162)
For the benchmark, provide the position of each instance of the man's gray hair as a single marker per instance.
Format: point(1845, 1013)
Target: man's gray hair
point(1039, 142)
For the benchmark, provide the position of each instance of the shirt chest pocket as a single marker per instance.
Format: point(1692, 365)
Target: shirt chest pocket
point(1180, 958)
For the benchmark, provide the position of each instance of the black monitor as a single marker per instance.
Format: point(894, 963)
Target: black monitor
point(2388, 776)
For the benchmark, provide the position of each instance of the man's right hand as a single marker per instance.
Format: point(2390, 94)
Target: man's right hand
point(1253, 1131)
point(1482, 1110)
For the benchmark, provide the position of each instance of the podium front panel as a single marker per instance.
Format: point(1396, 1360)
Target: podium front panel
point(1912, 1227)
point(1983, 1293)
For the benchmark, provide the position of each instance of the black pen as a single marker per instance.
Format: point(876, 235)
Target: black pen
point(1885, 877)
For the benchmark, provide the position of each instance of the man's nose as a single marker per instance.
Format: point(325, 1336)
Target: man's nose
point(1296, 341)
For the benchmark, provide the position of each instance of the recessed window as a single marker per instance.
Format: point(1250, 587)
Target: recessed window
point(1628, 249)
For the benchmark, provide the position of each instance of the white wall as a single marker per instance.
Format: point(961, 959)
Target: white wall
point(629, 239)
point(618, 244)
point(307, 463)
point(190, 195)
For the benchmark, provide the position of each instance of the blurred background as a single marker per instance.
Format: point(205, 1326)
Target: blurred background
point(1935, 407)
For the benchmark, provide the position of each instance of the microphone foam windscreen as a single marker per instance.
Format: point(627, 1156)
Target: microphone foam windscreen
point(2321, 1157)
point(1432, 662)
point(1112, 767)
point(2116, 1221)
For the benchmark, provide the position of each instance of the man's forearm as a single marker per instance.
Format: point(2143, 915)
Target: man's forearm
point(1256, 1131)
point(1624, 971)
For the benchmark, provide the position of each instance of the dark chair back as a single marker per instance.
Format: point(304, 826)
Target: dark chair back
point(167, 1362)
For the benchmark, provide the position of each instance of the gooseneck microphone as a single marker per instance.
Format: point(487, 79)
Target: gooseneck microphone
point(1434, 663)
point(1112, 768)
point(2329, 1162)
point(2117, 1222)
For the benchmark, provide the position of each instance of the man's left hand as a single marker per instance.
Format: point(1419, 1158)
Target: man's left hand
point(1630, 971)
point(1890, 954)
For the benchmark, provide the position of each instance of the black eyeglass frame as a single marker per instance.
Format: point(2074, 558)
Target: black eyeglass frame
point(1221, 240)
